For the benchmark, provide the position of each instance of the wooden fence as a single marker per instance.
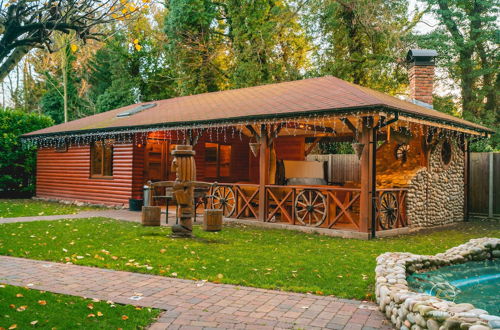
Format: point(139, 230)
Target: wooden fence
point(484, 193)
point(341, 168)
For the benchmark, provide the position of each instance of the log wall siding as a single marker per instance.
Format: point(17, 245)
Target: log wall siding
point(66, 176)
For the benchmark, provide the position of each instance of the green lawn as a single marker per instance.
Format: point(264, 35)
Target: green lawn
point(11, 208)
point(276, 259)
point(22, 308)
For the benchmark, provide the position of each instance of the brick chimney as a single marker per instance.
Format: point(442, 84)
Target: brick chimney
point(421, 75)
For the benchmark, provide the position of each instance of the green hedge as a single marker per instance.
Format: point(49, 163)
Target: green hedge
point(17, 164)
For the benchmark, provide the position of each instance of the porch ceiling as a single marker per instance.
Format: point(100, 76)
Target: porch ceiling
point(309, 97)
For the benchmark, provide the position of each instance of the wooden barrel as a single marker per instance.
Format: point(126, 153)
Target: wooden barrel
point(151, 215)
point(212, 220)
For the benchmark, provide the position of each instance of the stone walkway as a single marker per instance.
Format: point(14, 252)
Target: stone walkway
point(195, 305)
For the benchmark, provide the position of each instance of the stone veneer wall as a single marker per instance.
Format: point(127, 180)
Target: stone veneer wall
point(412, 310)
point(436, 193)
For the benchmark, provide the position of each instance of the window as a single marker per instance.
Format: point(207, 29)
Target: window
point(217, 160)
point(101, 159)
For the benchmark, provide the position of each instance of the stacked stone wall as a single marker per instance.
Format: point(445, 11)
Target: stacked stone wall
point(436, 193)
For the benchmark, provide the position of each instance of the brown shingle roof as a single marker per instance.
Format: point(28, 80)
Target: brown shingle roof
point(316, 95)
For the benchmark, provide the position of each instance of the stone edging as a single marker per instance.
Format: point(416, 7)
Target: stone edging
point(412, 310)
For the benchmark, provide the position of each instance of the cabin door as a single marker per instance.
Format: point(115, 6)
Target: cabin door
point(156, 161)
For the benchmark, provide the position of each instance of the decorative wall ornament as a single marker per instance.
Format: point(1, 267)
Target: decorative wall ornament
point(401, 152)
point(358, 148)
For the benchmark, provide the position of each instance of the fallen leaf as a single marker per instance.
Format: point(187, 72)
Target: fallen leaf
point(14, 326)
point(34, 322)
point(19, 295)
point(220, 276)
point(91, 315)
point(42, 302)
point(124, 317)
point(99, 314)
point(90, 306)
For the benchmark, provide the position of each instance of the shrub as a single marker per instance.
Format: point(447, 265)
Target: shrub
point(17, 164)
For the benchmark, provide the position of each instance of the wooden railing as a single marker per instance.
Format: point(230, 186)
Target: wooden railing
point(391, 208)
point(237, 200)
point(317, 206)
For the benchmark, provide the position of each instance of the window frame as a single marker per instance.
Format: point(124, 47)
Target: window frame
point(217, 162)
point(110, 144)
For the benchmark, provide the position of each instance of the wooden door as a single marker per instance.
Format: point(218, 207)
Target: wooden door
point(156, 161)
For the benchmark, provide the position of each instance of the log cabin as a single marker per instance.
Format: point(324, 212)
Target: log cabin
point(413, 160)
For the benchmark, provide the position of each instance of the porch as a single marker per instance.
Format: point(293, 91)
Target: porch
point(265, 173)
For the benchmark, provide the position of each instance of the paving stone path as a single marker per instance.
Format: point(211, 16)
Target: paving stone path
point(195, 305)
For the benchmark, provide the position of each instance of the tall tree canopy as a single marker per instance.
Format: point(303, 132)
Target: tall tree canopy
point(28, 24)
point(467, 40)
point(362, 41)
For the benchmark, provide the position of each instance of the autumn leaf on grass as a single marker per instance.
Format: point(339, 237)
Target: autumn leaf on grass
point(99, 314)
point(34, 322)
point(90, 306)
point(22, 308)
point(14, 326)
point(124, 317)
point(42, 302)
point(19, 295)
point(91, 315)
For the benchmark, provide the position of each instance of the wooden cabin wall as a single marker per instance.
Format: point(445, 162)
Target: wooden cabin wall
point(66, 176)
point(240, 152)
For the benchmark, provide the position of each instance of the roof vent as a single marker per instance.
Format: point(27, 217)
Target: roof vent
point(135, 110)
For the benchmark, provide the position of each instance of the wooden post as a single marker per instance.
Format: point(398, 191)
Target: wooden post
point(490, 187)
point(466, 180)
point(366, 166)
point(263, 172)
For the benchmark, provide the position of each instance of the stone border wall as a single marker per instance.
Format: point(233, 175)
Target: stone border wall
point(413, 310)
point(436, 193)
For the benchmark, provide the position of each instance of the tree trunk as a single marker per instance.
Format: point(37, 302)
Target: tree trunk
point(12, 61)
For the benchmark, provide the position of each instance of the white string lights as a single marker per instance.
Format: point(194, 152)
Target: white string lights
point(312, 124)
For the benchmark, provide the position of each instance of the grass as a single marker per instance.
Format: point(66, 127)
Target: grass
point(11, 208)
point(266, 258)
point(22, 308)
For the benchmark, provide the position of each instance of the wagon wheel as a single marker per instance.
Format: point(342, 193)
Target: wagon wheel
point(310, 208)
point(388, 210)
point(223, 198)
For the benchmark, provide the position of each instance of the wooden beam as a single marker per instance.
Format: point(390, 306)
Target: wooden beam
point(309, 127)
point(264, 157)
point(274, 133)
point(311, 147)
point(366, 166)
point(254, 132)
point(349, 125)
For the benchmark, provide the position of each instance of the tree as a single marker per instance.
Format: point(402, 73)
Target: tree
point(362, 41)
point(194, 43)
point(29, 24)
point(17, 164)
point(466, 39)
point(267, 42)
